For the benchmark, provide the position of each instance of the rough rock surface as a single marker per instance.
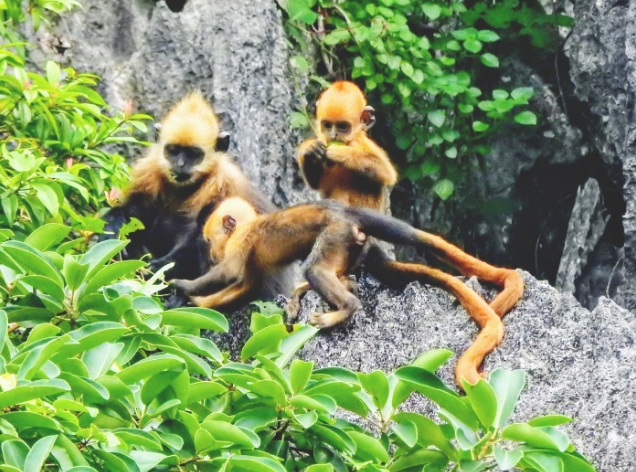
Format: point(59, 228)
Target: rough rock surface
point(580, 364)
point(235, 52)
point(587, 225)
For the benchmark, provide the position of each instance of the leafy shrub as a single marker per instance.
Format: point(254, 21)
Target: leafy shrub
point(53, 133)
point(420, 61)
point(96, 375)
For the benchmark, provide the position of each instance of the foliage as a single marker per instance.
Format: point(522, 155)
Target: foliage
point(97, 375)
point(421, 61)
point(53, 133)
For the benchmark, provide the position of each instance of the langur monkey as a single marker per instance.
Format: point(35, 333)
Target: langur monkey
point(182, 176)
point(345, 165)
point(329, 237)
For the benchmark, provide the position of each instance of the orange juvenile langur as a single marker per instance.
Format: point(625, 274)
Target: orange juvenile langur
point(343, 163)
point(328, 237)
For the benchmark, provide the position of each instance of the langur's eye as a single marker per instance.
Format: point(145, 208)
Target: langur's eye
point(327, 124)
point(171, 149)
point(195, 153)
point(343, 126)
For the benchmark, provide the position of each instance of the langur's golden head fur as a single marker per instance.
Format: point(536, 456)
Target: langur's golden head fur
point(191, 122)
point(343, 102)
point(230, 214)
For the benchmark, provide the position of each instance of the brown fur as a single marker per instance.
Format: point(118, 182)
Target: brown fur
point(327, 237)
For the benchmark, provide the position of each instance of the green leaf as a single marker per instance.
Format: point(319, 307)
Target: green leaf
point(337, 36)
point(253, 464)
point(201, 346)
point(377, 384)
point(321, 403)
point(437, 117)
point(489, 60)
point(545, 437)
point(15, 453)
point(292, 343)
point(431, 10)
point(32, 260)
point(487, 36)
point(148, 367)
point(407, 432)
point(431, 386)
point(300, 63)
point(298, 10)
point(549, 420)
point(110, 274)
point(507, 385)
point(368, 448)
point(270, 389)
point(4, 323)
point(202, 390)
point(483, 400)
point(44, 285)
point(299, 374)
point(101, 253)
point(522, 94)
point(415, 460)
point(47, 197)
point(444, 188)
point(428, 432)
point(507, 459)
point(53, 74)
point(74, 272)
point(335, 437)
point(37, 389)
point(39, 452)
point(543, 462)
point(451, 152)
point(193, 317)
point(319, 468)
point(47, 236)
point(265, 341)
point(473, 46)
point(480, 126)
point(99, 359)
point(526, 118)
point(499, 94)
point(222, 431)
point(137, 437)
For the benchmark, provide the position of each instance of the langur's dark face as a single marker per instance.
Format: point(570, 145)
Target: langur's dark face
point(183, 160)
point(336, 130)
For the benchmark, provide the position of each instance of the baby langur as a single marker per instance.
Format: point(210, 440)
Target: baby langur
point(342, 162)
point(329, 237)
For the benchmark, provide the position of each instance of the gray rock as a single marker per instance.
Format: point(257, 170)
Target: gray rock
point(587, 225)
point(580, 364)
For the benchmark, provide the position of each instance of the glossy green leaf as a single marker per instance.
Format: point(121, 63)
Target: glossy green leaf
point(299, 373)
point(109, 274)
point(549, 420)
point(15, 453)
point(74, 272)
point(32, 260)
point(148, 367)
point(377, 384)
point(507, 385)
point(239, 463)
point(39, 452)
point(444, 188)
point(507, 459)
point(36, 389)
point(526, 118)
point(418, 459)
point(489, 60)
point(265, 341)
point(198, 318)
point(437, 117)
point(546, 437)
point(406, 431)
point(47, 236)
point(201, 346)
point(483, 400)
point(543, 461)
point(368, 448)
point(220, 430)
point(431, 10)
point(290, 345)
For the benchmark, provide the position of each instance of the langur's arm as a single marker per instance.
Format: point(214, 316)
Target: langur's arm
point(365, 158)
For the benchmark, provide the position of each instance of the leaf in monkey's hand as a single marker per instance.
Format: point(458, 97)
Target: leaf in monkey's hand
point(337, 143)
point(133, 225)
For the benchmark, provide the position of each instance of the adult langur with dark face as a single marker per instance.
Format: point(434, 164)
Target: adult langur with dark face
point(176, 184)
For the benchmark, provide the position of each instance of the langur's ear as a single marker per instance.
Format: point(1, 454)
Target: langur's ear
point(157, 127)
point(222, 142)
point(368, 117)
point(229, 224)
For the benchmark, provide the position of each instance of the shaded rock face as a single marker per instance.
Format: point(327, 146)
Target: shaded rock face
point(580, 364)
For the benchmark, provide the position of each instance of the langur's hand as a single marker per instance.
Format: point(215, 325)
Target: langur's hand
point(317, 154)
point(184, 286)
